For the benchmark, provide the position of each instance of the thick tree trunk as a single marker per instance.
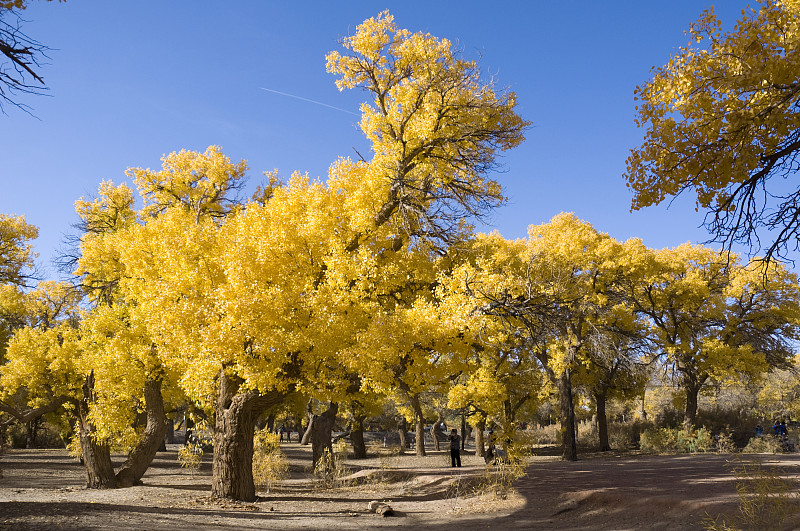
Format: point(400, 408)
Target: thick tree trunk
point(236, 415)
point(321, 430)
point(480, 448)
point(419, 447)
point(96, 456)
point(307, 434)
point(402, 430)
point(690, 414)
point(357, 438)
point(570, 448)
point(463, 432)
point(132, 470)
point(602, 421)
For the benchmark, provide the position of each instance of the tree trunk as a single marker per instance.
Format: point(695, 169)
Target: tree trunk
point(188, 430)
point(570, 448)
point(33, 427)
point(169, 437)
point(508, 412)
point(402, 430)
point(132, 470)
point(236, 415)
point(463, 432)
point(96, 456)
point(419, 447)
point(480, 448)
point(357, 438)
point(690, 414)
point(321, 428)
point(307, 434)
point(436, 431)
point(602, 421)
point(643, 411)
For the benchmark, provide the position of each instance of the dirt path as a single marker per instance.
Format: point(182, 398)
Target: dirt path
point(43, 489)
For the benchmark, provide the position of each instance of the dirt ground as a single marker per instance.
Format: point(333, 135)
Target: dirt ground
point(44, 489)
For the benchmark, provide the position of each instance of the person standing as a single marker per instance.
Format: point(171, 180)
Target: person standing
point(455, 448)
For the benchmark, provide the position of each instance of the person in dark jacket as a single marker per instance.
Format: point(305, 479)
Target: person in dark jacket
point(455, 448)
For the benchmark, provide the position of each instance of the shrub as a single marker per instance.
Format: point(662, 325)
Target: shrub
point(767, 498)
point(330, 469)
point(269, 462)
point(763, 445)
point(626, 435)
point(507, 467)
point(666, 440)
point(190, 456)
point(547, 435)
point(47, 435)
point(725, 443)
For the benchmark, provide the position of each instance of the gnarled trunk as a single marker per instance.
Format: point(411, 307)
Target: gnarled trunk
point(570, 448)
point(96, 456)
point(236, 415)
point(357, 438)
point(402, 430)
point(132, 470)
point(321, 427)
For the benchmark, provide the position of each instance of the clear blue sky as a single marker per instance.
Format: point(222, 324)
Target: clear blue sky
point(130, 81)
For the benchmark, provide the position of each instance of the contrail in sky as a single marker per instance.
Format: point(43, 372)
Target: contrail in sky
point(308, 100)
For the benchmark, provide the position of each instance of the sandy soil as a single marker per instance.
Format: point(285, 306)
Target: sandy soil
point(44, 489)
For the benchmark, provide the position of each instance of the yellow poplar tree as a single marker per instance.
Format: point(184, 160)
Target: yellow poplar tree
point(436, 128)
point(555, 290)
point(434, 124)
point(16, 251)
point(124, 377)
point(711, 318)
point(722, 122)
point(38, 374)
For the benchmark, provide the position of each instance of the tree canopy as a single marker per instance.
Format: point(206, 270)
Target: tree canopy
point(722, 120)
